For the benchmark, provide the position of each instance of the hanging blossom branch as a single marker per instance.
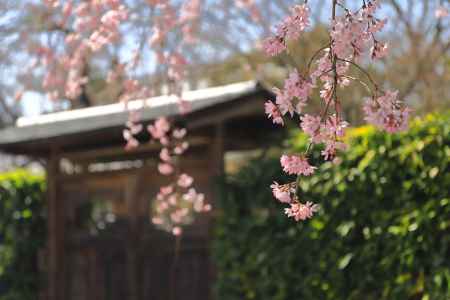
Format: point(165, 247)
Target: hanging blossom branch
point(352, 37)
point(90, 27)
point(177, 203)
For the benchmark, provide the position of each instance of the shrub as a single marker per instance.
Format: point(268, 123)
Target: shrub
point(383, 231)
point(22, 234)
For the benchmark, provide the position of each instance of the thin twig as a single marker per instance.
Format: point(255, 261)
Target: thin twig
point(335, 72)
point(362, 70)
point(361, 82)
point(315, 55)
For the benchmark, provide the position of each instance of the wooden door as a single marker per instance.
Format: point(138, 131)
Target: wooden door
point(113, 252)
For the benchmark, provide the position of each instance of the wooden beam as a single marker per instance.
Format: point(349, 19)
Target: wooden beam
point(188, 162)
point(56, 272)
point(118, 151)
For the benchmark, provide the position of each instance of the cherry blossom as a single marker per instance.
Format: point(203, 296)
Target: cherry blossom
point(165, 156)
point(311, 125)
point(284, 102)
point(297, 87)
point(380, 50)
point(177, 231)
point(133, 127)
point(352, 33)
point(334, 127)
point(298, 165)
point(179, 133)
point(159, 128)
point(273, 45)
point(352, 38)
point(387, 112)
point(273, 112)
point(165, 168)
point(331, 149)
point(441, 12)
point(181, 148)
point(176, 204)
point(296, 23)
point(282, 192)
point(289, 29)
point(301, 212)
point(185, 180)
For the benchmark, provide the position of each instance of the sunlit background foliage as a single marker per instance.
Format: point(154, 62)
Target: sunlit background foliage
point(22, 234)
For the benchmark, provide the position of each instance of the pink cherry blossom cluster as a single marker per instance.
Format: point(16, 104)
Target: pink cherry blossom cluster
point(88, 27)
point(131, 88)
point(287, 194)
point(328, 132)
point(289, 29)
point(441, 12)
point(108, 30)
point(173, 144)
point(387, 113)
point(298, 165)
point(353, 34)
point(133, 127)
point(168, 22)
point(190, 12)
point(177, 203)
point(352, 37)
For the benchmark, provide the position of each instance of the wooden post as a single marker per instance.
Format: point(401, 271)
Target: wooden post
point(218, 150)
point(217, 163)
point(132, 241)
point(56, 274)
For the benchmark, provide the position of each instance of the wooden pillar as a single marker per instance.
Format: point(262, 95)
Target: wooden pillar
point(218, 150)
point(131, 198)
point(56, 274)
point(217, 168)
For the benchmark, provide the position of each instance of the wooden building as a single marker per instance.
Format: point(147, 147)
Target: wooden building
point(101, 243)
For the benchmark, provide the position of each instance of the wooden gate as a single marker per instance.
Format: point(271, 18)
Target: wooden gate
point(113, 252)
point(100, 270)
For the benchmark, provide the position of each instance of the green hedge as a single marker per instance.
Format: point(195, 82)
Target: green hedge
point(383, 231)
point(22, 234)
